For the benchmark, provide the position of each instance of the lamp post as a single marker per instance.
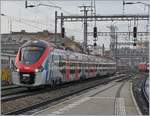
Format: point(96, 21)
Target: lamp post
point(31, 6)
point(9, 22)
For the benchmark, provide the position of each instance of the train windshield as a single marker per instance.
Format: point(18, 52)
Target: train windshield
point(31, 54)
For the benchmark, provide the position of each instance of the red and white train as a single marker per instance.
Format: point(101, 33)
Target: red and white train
point(39, 63)
point(144, 67)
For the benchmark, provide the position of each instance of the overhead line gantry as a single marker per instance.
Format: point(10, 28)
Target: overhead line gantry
point(104, 18)
point(88, 18)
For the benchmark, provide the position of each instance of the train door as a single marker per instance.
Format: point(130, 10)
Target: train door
point(83, 66)
point(62, 67)
point(50, 59)
point(55, 67)
point(67, 68)
point(76, 68)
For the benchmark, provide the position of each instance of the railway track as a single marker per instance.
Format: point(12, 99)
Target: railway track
point(28, 103)
point(140, 93)
point(9, 87)
point(13, 91)
point(145, 93)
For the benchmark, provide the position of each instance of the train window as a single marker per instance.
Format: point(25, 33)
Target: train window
point(50, 57)
point(29, 54)
point(100, 65)
point(96, 65)
point(61, 61)
point(56, 58)
point(72, 67)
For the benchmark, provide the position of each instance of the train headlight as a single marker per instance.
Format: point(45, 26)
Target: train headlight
point(39, 69)
point(17, 70)
point(36, 70)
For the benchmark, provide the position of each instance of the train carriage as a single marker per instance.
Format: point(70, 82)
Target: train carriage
point(143, 67)
point(39, 63)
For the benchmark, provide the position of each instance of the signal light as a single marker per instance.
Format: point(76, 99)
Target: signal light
point(63, 32)
point(95, 44)
point(134, 32)
point(95, 32)
point(134, 44)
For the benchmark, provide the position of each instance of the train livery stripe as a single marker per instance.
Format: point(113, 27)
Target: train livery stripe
point(67, 70)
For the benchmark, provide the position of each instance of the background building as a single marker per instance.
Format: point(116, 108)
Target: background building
point(10, 42)
point(128, 58)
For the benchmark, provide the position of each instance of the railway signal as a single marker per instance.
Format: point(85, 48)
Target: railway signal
point(63, 32)
point(134, 32)
point(134, 35)
point(95, 32)
point(134, 43)
point(95, 44)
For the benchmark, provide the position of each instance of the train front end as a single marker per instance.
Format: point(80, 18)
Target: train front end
point(30, 64)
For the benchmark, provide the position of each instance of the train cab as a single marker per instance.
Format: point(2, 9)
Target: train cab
point(30, 64)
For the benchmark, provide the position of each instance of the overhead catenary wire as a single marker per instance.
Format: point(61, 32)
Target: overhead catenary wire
point(67, 12)
point(31, 23)
point(18, 5)
point(95, 11)
point(129, 28)
point(17, 20)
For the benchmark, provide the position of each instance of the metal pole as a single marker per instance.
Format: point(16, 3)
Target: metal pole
point(103, 50)
point(116, 38)
point(55, 25)
point(148, 28)
point(62, 22)
point(10, 25)
point(85, 29)
point(123, 6)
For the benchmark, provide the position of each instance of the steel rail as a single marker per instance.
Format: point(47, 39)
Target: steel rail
point(144, 91)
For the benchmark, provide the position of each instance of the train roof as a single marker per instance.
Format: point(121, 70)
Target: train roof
point(65, 53)
point(40, 43)
point(79, 56)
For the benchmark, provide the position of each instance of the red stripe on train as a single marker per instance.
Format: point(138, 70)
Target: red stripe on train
point(67, 70)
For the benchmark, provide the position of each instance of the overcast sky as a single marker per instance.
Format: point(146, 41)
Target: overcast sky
point(42, 17)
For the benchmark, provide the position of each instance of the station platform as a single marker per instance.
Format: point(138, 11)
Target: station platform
point(115, 98)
